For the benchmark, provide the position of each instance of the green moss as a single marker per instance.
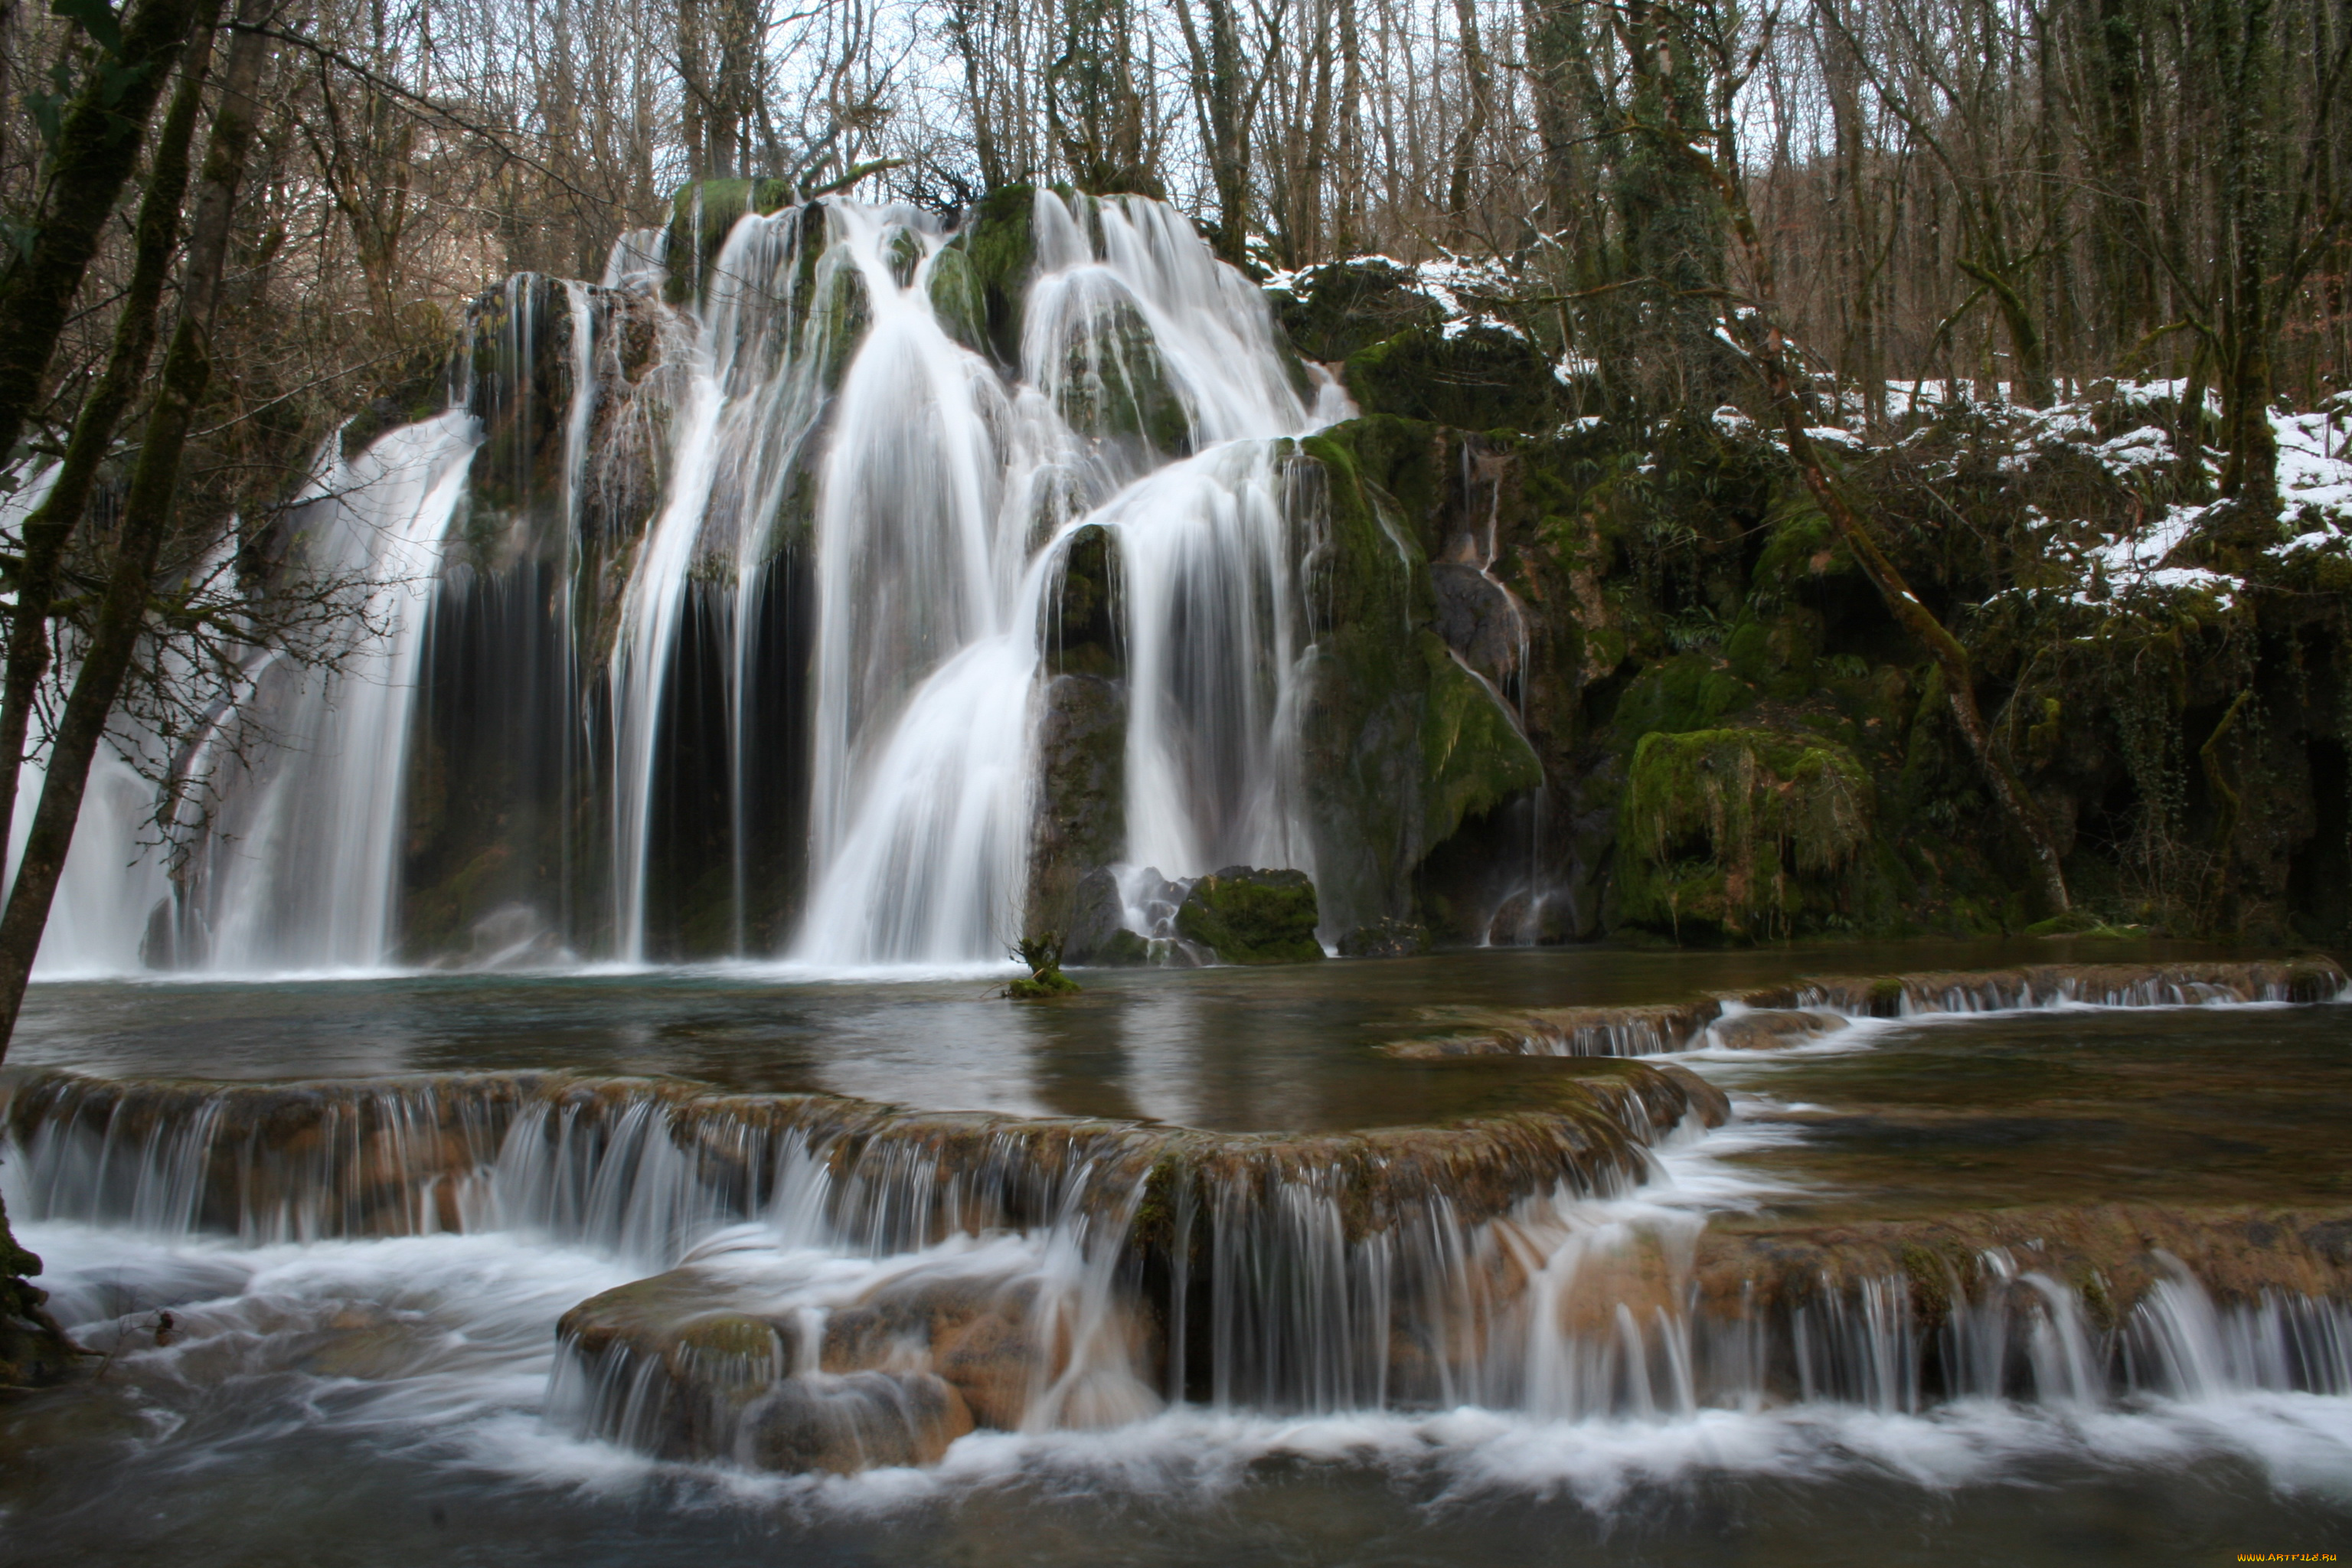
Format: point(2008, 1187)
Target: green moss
point(1123, 949)
point(958, 297)
point(1741, 833)
point(1038, 987)
point(1473, 757)
point(701, 215)
point(1248, 916)
point(1330, 312)
point(1000, 247)
point(1685, 691)
point(1481, 379)
point(1114, 386)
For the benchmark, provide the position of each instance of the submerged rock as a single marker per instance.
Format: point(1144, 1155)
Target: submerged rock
point(1570, 1032)
point(708, 1361)
point(2306, 979)
point(1385, 939)
point(1771, 1028)
point(1248, 916)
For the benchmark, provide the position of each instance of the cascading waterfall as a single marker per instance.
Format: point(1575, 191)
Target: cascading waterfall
point(754, 393)
point(304, 872)
point(1263, 1276)
point(838, 585)
point(940, 523)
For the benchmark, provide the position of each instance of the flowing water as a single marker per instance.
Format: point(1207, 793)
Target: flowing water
point(720, 628)
point(363, 1276)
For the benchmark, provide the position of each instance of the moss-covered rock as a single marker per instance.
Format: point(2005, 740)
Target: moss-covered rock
point(1477, 378)
point(998, 242)
point(702, 213)
point(1741, 832)
point(1473, 756)
point(1385, 939)
point(1081, 813)
point(1112, 386)
point(1250, 916)
point(959, 298)
point(1332, 311)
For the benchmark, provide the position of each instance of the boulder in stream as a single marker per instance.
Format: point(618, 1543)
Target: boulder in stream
point(1245, 915)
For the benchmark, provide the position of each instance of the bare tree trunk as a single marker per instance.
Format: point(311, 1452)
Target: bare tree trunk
point(1473, 123)
point(1766, 350)
point(48, 530)
point(96, 145)
point(1220, 98)
point(146, 520)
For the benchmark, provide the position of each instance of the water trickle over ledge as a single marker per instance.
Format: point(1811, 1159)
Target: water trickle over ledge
point(840, 1284)
point(1780, 1015)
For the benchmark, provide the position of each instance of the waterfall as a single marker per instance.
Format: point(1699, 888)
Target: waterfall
point(723, 628)
point(1416, 1269)
point(113, 876)
point(1150, 400)
point(306, 876)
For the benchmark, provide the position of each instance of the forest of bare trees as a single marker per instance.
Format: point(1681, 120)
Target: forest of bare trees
point(1983, 191)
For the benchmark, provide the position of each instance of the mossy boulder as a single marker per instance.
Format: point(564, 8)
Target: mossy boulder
point(1250, 916)
point(1474, 378)
point(1097, 932)
point(1385, 939)
point(958, 297)
point(998, 247)
point(1473, 756)
point(1332, 311)
point(1112, 386)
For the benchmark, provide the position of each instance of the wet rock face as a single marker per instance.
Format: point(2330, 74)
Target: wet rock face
point(1097, 932)
point(1248, 916)
point(34, 1351)
point(699, 1363)
point(713, 1360)
point(1081, 821)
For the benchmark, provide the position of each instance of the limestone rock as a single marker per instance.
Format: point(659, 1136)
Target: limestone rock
point(851, 1421)
point(1771, 1029)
